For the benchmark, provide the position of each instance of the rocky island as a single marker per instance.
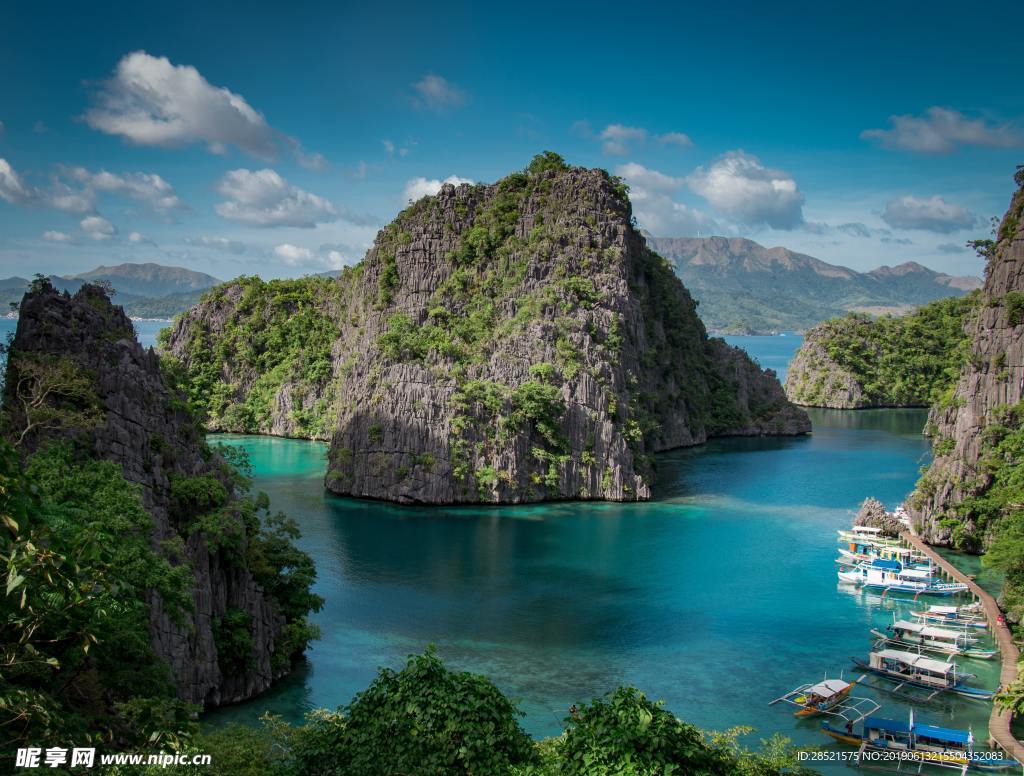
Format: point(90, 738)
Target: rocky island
point(499, 343)
point(857, 361)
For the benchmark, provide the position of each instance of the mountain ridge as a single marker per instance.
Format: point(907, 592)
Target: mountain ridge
point(745, 287)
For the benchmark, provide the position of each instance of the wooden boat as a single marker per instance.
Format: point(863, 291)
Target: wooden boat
point(868, 533)
point(920, 744)
point(947, 641)
point(916, 670)
point(818, 697)
point(866, 551)
point(969, 616)
point(890, 576)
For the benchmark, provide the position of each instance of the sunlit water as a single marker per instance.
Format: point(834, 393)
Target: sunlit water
point(717, 596)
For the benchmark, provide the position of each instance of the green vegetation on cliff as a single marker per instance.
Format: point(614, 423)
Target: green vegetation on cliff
point(911, 360)
point(426, 720)
point(280, 333)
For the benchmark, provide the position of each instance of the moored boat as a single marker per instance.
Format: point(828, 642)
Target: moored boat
point(969, 616)
point(947, 641)
point(916, 670)
point(891, 576)
point(866, 533)
point(920, 744)
point(819, 697)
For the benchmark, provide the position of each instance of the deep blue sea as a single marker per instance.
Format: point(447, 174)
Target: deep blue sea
point(717, 596)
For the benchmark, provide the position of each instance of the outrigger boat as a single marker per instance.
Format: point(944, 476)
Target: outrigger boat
point(821, 697)
point(934, 639)
point(861, 533)
point(867, 551)
point(891, 577)
point(920, 744)
point(916, 670)
point(969, 616)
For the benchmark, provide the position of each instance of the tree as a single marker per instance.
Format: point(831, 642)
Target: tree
point(50, 393)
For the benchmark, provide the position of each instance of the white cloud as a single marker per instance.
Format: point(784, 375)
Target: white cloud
point(941, 130)
point(931, 214)
point(138, 238)
point(617, 138)
point(438, 93)
point(57, 237)
point(264, 198)
point(652, 194)
point(740, 187)
point(148, 188)
point(389, 147)
point(680, 139)
point(12, 188)
point(293, 255)
point(421, 187)
point(951, 248)
point(98, 228)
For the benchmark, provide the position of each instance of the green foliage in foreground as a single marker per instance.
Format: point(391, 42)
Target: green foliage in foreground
point(426, 720)
point(909, 360)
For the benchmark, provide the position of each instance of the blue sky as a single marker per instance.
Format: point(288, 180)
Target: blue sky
point(277, 140)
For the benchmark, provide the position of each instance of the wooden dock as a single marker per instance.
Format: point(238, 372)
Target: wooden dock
point(999, 722)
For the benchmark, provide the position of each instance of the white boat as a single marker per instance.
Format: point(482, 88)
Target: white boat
point(865, 550)
point(866, 533)
point(891, 576)
point(947, 641)
point(969, 616)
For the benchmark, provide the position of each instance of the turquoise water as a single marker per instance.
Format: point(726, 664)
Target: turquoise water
point(717, 596)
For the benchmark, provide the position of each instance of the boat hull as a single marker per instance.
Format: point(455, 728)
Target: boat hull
point(975, 693)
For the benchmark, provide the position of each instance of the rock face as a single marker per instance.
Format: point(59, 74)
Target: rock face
point(992, 378)
point(872, 513)
point(519, 342)
point(147, 429)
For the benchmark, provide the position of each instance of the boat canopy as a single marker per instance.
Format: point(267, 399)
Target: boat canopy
point(888, 565)
point(917, 661)
point(867, 529)
point(928, 631)
point(827, 688)
point(880, 723)
point(944, 609)
point(943, 734)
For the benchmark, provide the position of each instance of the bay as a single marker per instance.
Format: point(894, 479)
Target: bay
point(717, 596)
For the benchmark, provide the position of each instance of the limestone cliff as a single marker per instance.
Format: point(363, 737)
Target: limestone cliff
point(505, 343)
point(992, 380)
point(144, 425)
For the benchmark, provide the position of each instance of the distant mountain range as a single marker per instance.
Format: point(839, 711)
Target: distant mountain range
point(744, 287)
point(144, 290)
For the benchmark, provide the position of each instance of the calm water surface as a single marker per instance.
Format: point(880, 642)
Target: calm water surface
point(717, 596)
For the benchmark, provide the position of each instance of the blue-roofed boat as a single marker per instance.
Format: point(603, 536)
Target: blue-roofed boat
point(917, 744)
point(891, 576)
point(913, 669)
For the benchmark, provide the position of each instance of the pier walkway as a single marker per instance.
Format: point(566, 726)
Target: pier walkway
point(999, 722)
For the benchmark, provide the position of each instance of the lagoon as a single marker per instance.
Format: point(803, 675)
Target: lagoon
point(717, 596)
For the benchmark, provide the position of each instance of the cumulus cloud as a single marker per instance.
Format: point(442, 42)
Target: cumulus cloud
point(13, 188)
point(652, 194)
point(150, 101)
point(298, 256)
point(941, 130)
point(149, 189)
point(52, 235)
point(421, 187)
point(292, 255)
point(264, 198)
point(137, 238)
point(616, 138)
point(740, 187)
point(437, 93)
point(931, 214)
point(98, 228)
